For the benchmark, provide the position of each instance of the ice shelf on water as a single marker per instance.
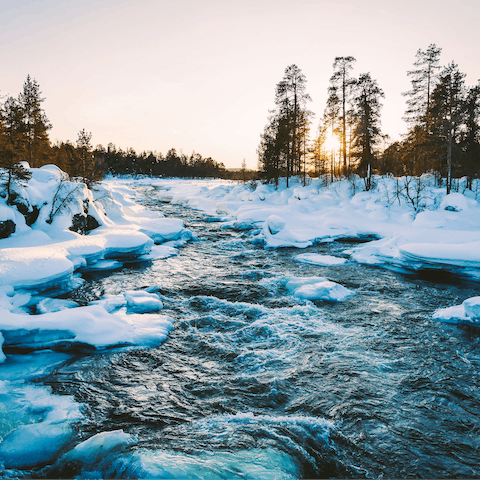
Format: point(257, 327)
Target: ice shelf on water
point(467, 313)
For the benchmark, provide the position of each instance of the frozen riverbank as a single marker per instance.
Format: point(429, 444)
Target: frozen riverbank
point(415, 225)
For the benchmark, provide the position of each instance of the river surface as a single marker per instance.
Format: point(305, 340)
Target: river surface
point(252, 380)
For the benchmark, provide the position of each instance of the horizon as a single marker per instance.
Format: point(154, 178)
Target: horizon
point(201, 76)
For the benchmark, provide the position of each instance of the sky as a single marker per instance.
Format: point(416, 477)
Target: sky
point(200, 75)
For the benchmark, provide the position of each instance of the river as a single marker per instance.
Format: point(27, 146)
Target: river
point(254, 383)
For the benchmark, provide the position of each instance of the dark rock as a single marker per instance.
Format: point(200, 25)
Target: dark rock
point(83, 223)
point(31, 217)
point(7, 227)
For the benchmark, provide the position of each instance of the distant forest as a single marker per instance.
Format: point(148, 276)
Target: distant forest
point(443, 139)
point(24, 136)
point(442, 114)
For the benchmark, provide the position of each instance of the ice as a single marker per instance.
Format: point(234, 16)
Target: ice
point(317, 259)
point(318, 212)
point(277, 235)
point(91, 325)
point(159, 252)
point(251, 464)
point(45, 255)
point(467, 313)
point(138, 301)
point(98, 447)
point(472, 307)
point(10, 300)
point(318, 288)
point(329, 291)
point(39, 425)
point(2, 355)
point(48, 305)
point(105, 265)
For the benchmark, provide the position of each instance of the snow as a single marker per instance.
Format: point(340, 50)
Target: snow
point(91, 325)
point(413, 222)
point(317, 288)
point(46, 254)
point(317, 259)
point(468, 313)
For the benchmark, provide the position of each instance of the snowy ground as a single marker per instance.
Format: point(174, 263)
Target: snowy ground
point(414, 226)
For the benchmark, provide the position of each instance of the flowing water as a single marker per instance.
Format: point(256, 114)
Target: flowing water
point(252, 382)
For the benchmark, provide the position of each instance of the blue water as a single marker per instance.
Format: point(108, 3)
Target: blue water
point(253, 383)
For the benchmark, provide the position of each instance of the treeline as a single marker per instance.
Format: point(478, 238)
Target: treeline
point(173, 164)
point(443, 117)
point(24, 128)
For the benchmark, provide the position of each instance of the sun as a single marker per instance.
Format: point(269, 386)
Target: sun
point(331, 142)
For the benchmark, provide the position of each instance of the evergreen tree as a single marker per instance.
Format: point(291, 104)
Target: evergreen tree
point(12, 172)
point(424, 78)
point(82, 161)
point(471, 135)
point(285, 135)
point(366, 134)
point(340, 90)
point(446, 115)
point(35, 124)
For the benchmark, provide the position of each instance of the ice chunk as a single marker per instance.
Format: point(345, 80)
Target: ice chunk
point(2, 355)
point(317, 259)
point(158, 252)
point(329, 291)
point(264, 463)
point(467, 313)
point(33, 267)
point(317, 288)
point(91, 325)
point(96, 447)
point(9, 300)
point(139, 301)
point(39, 426)
point(472, 307)
point(292, 283)
point(48, 305)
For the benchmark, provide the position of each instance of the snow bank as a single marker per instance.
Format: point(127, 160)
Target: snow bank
point(468, 313)
point(399, 213)
point(92, 326)
point(44, 252)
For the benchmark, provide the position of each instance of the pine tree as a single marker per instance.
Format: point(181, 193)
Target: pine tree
point(35, 124)
point(12, 172)
point(424, 78)
point(82, 161)
point(340, 90)
point(446, 112)
point(283, 143)
point(471, 135)
point(366, 134)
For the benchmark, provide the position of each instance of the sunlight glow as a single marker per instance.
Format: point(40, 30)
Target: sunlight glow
point(332, 142)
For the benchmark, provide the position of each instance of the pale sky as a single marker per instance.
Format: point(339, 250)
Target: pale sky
point(201, 74)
